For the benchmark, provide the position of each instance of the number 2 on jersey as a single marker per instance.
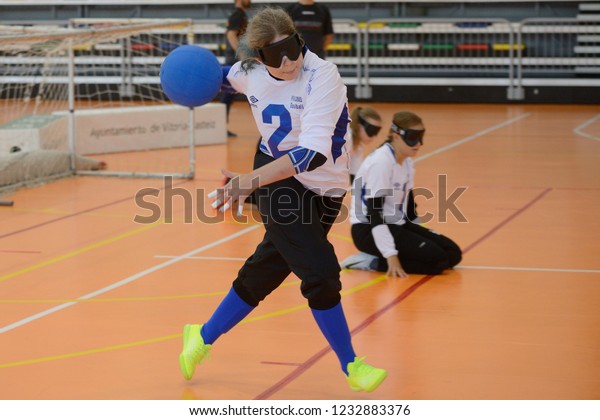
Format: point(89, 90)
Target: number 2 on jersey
point(285, 126)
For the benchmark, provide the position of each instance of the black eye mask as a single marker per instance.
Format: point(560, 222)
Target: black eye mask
point(370, 129)
point(410, 137)
point(272, 54)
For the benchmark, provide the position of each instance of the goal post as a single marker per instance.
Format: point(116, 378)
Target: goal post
point(91, 91)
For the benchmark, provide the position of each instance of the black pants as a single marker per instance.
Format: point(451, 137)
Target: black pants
point(420, 250)
point(296, 222)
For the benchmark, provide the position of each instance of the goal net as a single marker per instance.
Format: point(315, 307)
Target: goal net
point(87, 99)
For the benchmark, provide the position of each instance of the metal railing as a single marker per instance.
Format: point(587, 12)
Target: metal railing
point(435, 51)
point(413, 52)
point(565, 52)
point(480, 52)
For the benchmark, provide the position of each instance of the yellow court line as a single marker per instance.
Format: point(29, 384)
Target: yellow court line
point(39, 211)
point(128, 299)
point(370, 283)
point(92, 351)
point(342, 237)
point(152, 298)
point(124, 299)
point(116, 216)
point(305, 306)
point(271, 314)
point(105, 215)
point(78, 252)
point(361, 286)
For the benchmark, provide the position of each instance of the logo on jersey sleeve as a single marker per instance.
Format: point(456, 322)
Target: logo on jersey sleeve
point(252, 99)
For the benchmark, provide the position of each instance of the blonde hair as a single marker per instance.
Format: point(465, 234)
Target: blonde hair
point(364, 112)
point(263, 28)
point(267, 24)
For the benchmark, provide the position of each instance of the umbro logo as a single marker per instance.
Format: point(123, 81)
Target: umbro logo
point(253, 99)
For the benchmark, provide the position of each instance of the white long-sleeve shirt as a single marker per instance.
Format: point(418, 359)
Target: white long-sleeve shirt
point(310, 111)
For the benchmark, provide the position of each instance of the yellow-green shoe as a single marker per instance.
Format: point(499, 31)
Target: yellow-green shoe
point(194, 350)
point(364, 377)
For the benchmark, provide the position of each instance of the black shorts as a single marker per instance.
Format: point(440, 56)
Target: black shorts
point(296, 222)
point(420, 250)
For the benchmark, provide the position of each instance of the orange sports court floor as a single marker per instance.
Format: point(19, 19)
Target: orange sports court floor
point(93, 303)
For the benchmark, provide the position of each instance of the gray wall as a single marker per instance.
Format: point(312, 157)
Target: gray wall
point(351, 10)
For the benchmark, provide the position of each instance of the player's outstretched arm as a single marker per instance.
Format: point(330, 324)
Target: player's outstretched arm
point(241, 186)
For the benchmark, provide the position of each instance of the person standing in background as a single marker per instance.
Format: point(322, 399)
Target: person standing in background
point(313, 22)
point(236, 26)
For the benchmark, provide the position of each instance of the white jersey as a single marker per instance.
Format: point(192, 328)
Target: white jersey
point(310, 111)
point(381, 175)
point(356, 156)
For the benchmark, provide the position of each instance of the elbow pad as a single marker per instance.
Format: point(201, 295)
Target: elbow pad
point(305, 159)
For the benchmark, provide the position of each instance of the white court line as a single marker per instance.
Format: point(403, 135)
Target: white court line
point(473, 137)
point(468, 139)
point(127, 280)
point(579, 128)
point(477, 267)
point(549, 270)
point(191, 253)
point(204, 258)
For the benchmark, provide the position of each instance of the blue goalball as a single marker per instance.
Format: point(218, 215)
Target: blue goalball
point(191, 76)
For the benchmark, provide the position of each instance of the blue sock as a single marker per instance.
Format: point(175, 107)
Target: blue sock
point(334, 327)
point(229, 313)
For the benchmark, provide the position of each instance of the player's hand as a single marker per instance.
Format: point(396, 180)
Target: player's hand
point(394, 267)
point(239, 187)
